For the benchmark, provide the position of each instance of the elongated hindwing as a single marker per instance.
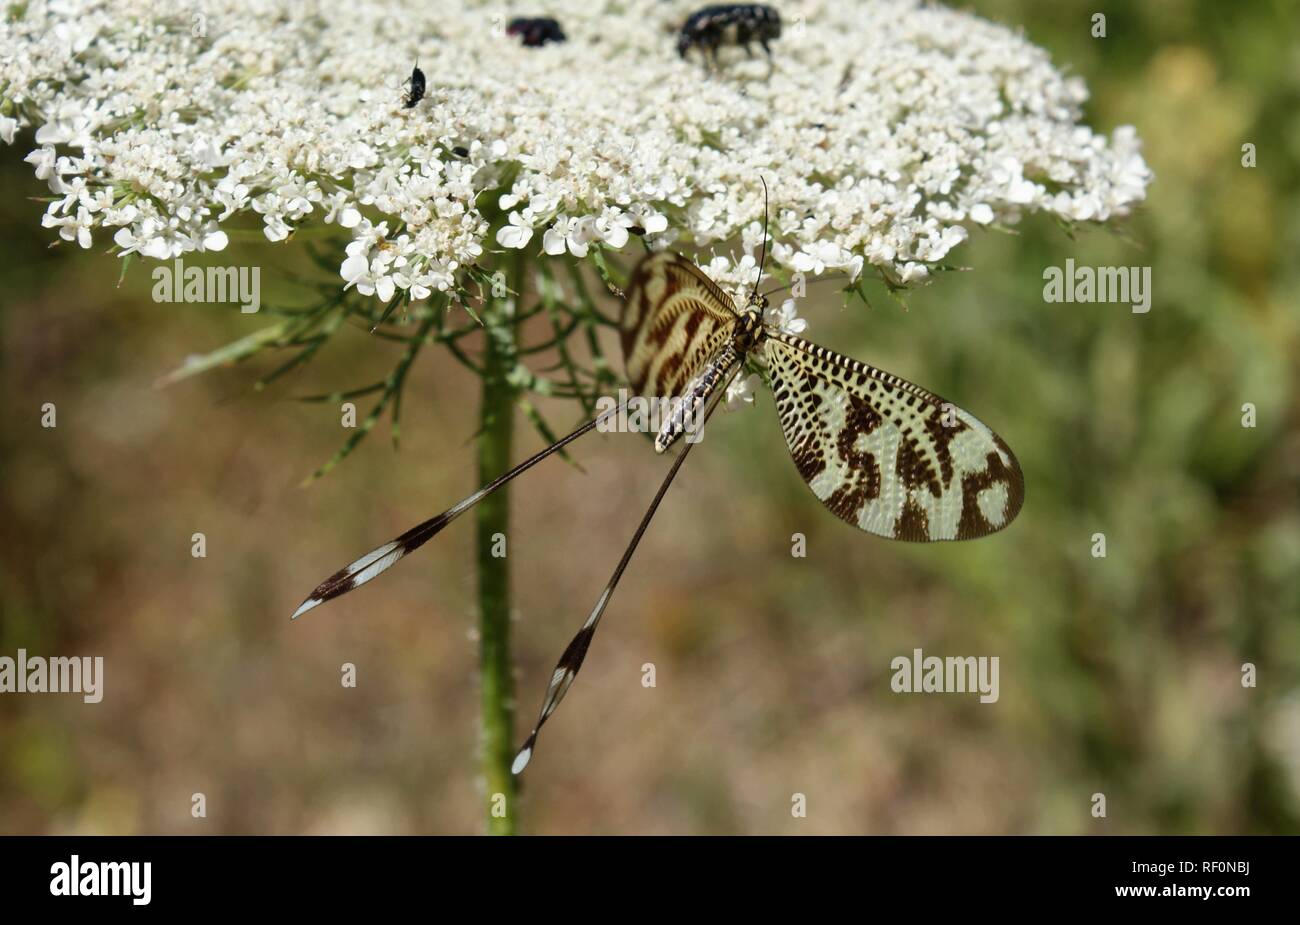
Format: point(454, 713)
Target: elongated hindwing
point(675, 320)
point(886, 455)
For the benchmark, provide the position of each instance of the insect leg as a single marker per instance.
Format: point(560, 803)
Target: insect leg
point(380, 560)
point(711, 53)
point(566, 669)
point(744, 35)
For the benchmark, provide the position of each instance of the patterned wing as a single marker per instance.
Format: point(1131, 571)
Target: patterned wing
point(675, 320)
point(886, 455)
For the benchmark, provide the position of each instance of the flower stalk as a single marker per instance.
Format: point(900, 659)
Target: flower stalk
point(496, 421)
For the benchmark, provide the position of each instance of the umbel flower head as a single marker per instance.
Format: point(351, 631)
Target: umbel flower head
point(885, 130)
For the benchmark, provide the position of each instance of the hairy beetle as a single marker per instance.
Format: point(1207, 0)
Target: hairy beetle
point(729, 24)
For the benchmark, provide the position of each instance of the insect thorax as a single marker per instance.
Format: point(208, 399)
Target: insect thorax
point(749, 325)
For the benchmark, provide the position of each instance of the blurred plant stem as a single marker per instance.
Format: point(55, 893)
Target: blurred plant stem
point(496, 420)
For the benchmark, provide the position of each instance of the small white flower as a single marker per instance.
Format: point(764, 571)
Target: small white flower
point(415, 286)
point(145, 238)
point(913, 272)
point(784, 318)
point(120, 216)
point(741, 391)
point(213, 240)
point(575, 234)
point(339, 209)
point(816, 257)
point(276, 228)
point(612, 228)
point(355, 268)
point(516, 234)
point(653, 222)
point(71, 227)
point(585, 144)
point(880, 251)
point(42, 159)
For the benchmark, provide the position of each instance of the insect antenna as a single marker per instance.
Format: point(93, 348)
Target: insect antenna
point(762, 260)
point(821, 279)
point(380, 560)
point(566, 669)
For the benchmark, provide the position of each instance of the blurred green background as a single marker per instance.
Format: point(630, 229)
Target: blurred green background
point(1118, 675)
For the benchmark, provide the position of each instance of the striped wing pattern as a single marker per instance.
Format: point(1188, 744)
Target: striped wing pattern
point(675, 320)
point(716, 374)
point(885, 455)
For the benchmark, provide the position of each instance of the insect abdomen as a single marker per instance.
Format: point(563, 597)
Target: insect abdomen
point(697, 395)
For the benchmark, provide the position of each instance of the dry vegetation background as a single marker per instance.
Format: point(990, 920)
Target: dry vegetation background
point(1118, 675)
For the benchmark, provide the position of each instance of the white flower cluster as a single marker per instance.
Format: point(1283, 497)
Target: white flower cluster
point(883, 129)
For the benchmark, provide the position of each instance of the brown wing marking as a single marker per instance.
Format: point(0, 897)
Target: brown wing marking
point(674, 321)
point(886, 455)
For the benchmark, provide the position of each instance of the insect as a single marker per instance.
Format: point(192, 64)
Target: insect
point(536, 31)
point(887, 456)
point(729, 24)
point(416, 92)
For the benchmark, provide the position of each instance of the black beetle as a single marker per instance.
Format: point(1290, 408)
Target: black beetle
point(729, 24)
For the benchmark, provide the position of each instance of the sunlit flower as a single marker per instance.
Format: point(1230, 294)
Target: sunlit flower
point(741, 391)
point(783, 318)
point(883, 132)
point(575, 234)
point(516, 234)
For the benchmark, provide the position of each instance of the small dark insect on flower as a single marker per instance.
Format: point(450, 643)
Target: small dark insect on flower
point(536, 31)
point(729, 24)
point(416, 93)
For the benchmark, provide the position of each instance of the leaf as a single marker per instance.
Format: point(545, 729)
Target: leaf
point(547, 434)
point(343, 396)
point(351, 443)
point(230, 353)
point(392, 386)
point(392, 306)
point(472, 313)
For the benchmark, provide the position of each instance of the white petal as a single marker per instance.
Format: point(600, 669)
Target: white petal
point(515, 236)
point(616, 237)
point(354, 268)
point(553, 242)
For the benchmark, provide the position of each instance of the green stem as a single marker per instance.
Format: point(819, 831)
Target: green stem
point(496, 416)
